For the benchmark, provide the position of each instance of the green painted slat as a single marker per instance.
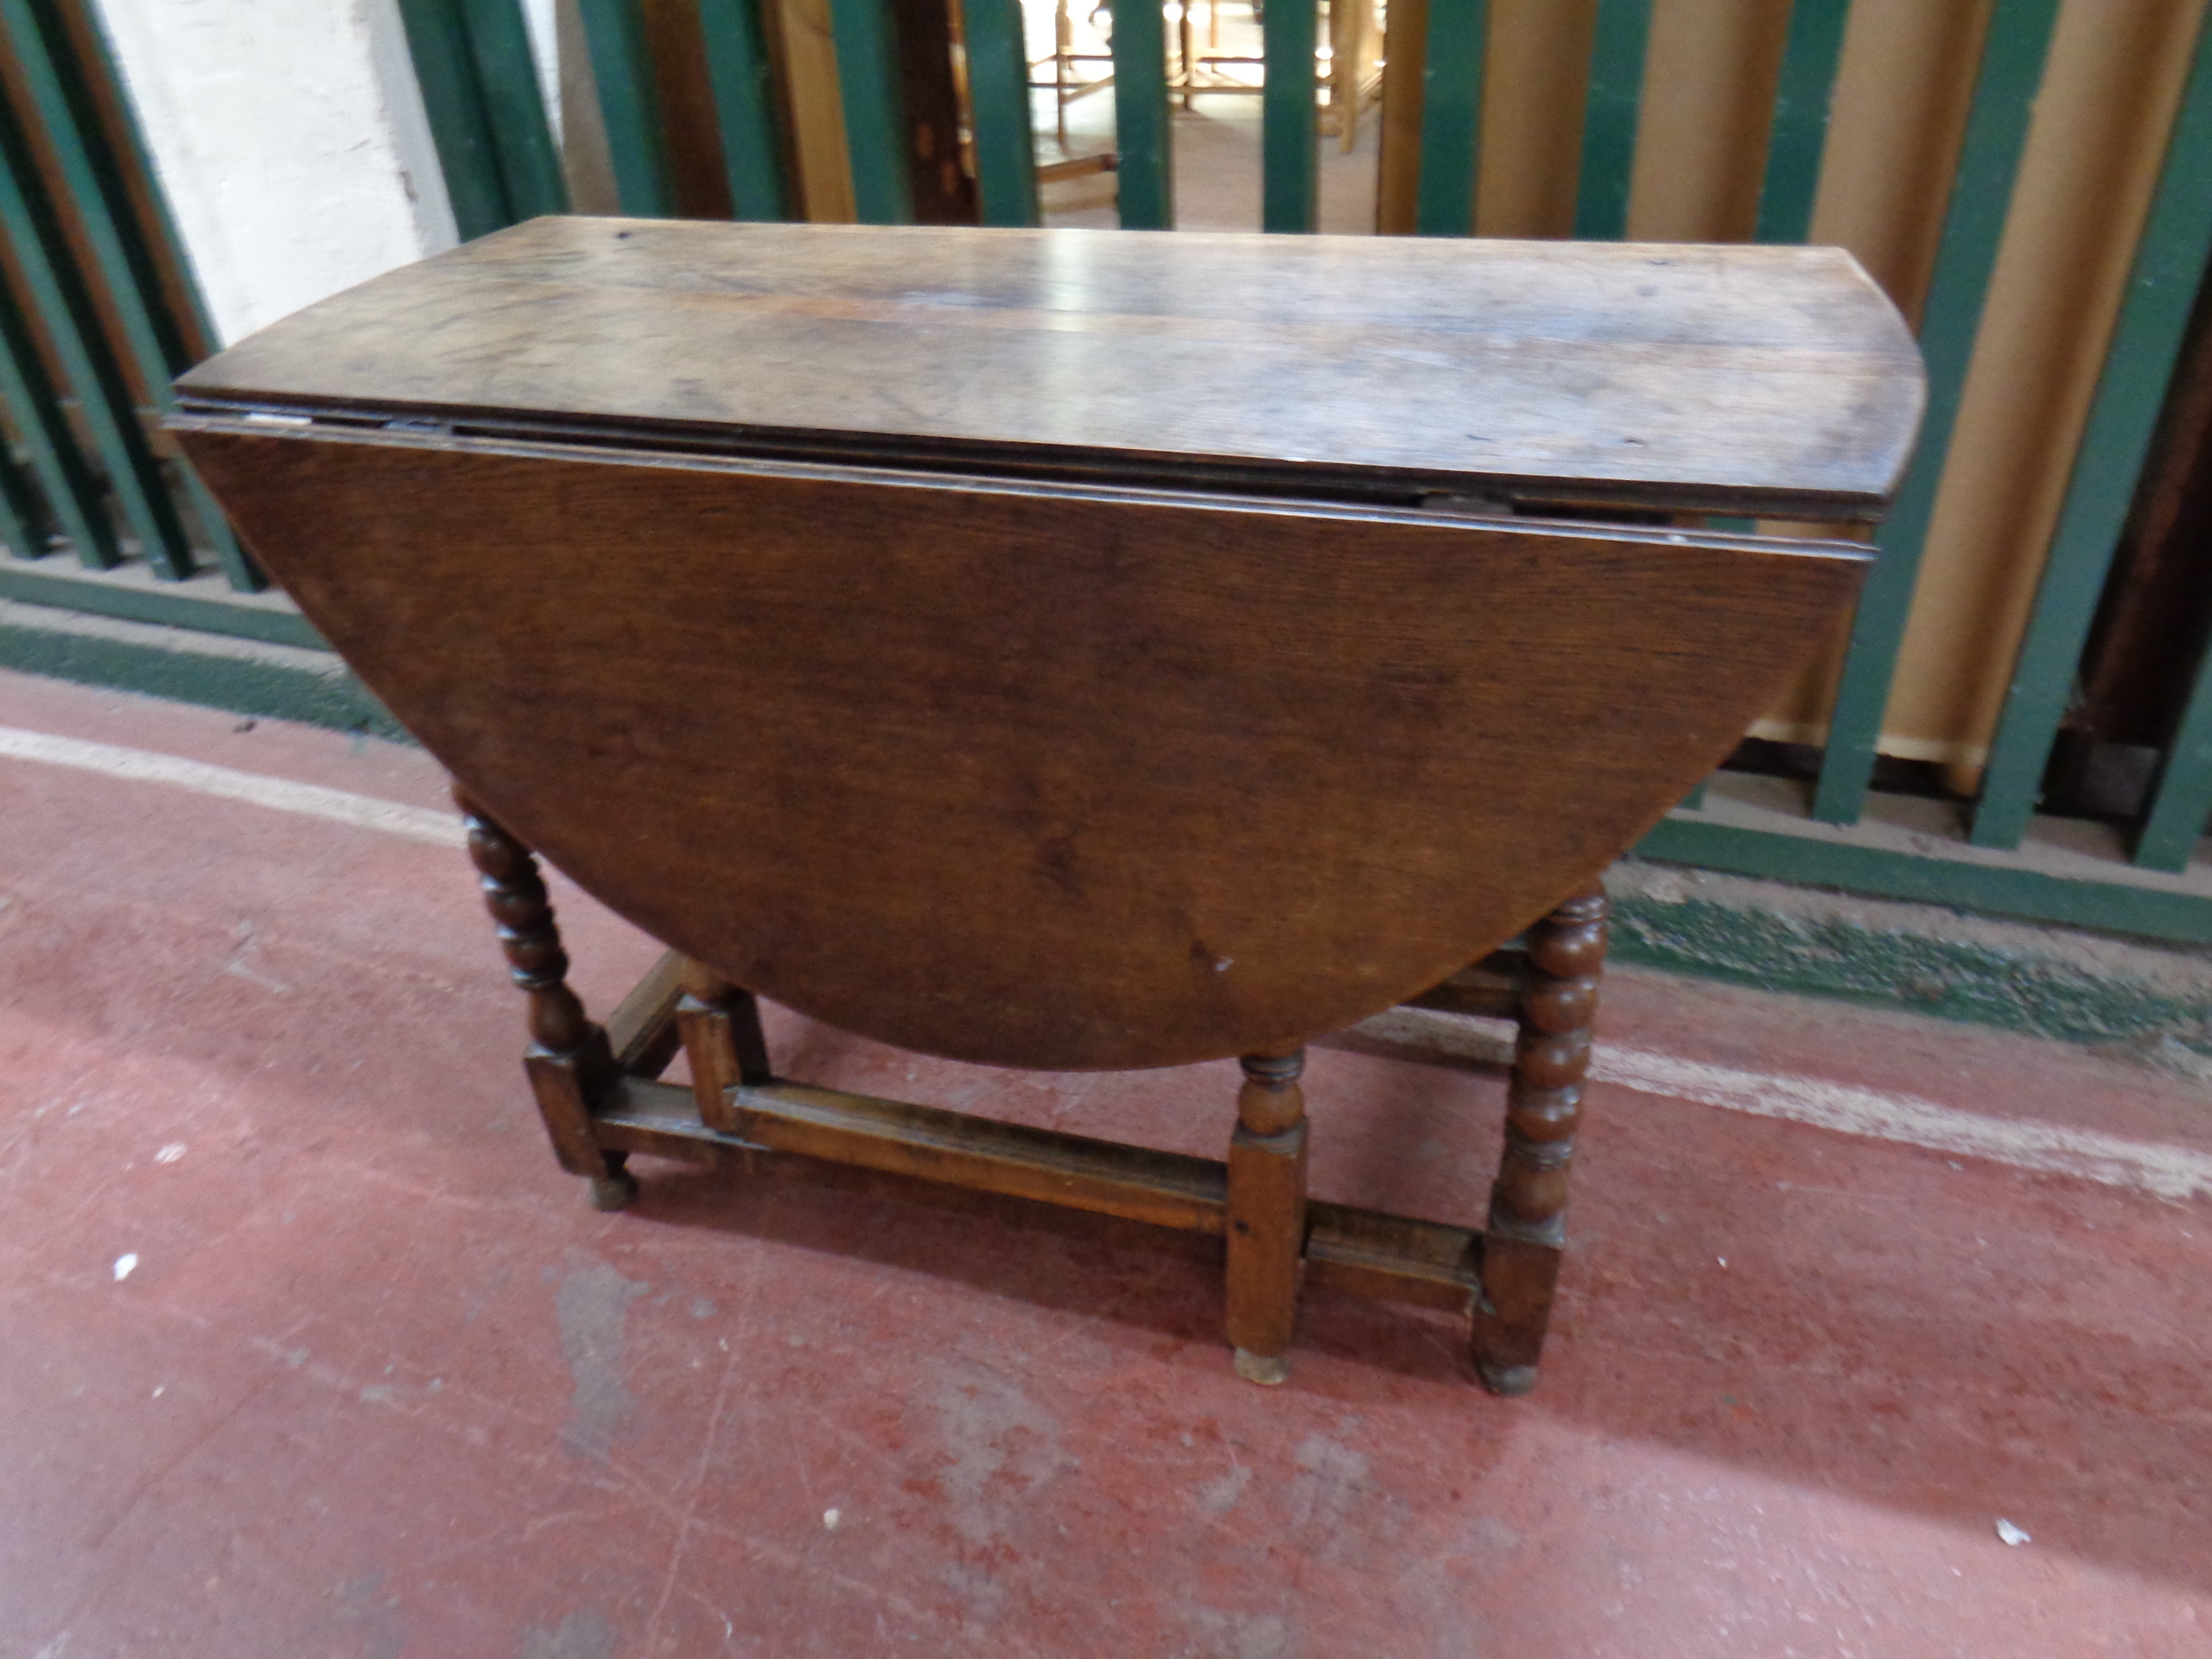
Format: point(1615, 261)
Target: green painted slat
point(1610, 111)
point(514, 108)
point(1289, 149)
point(71, 127)
point(1798, 141)
point(2183, 798)
point(460, 129)
point(2004, 890)
point(72, 324)
point(622, 69)
point(156, 246)
point(866, 38)
point(71, 487)
point(85, 63)
point(1145, 167)
point(172, 604)
point(1451, 117)
point(2011, 69)
point(277, 681)
point(2170, 262)
point(999, 99)
point(744, 77)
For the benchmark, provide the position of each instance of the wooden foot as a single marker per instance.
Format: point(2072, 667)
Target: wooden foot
point(722, 1040)
point(1522, 1246)
point(615, 1189)
point(1266, 1214)
point(568, 1061)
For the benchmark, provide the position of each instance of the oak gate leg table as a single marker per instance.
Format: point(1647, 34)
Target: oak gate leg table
point(1072, 650)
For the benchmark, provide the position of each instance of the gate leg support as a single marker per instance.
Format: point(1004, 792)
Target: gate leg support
point(722, 1040)
point(1266, 1220)
point(1522, 1246)
point(568, 1061)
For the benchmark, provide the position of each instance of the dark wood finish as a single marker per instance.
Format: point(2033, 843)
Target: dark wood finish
point(929, 101)
point(2157, 605)
point(1069, 650)
point(568, 1062)
point(722, 1040)
point(1522, 1244)
point(1491, 987)
point(1392, 1258)
point(1266, 1215)
point(643, 1031)
point(897, 1138)
point(1768, 380)
point(903, 1154)
point(684, 97)
point(960, 749)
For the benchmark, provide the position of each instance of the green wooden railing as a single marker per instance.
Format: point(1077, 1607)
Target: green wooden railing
point(97, 479)
point(80, 469)
point(2016, 45)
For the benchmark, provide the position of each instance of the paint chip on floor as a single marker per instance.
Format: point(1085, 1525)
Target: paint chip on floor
point(126, 1264)
point(2012, 1535)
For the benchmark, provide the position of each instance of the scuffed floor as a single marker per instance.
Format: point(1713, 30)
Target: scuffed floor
point(377, 1382)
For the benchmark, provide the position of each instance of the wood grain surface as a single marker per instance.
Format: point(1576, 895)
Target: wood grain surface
point(1747, 380)
point(1047, 777)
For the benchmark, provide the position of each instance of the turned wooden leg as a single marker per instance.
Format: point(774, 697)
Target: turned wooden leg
point(1522, 1246)
point(1266, 1214)
point(723, 1041)
point(568, 1062)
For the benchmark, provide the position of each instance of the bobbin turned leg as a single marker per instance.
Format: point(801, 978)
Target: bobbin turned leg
point(1266, 1216)
point(722, 1040)
point(1522, 1246)
point(568, 1062)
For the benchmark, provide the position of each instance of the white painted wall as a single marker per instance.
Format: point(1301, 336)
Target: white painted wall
point(291, 137)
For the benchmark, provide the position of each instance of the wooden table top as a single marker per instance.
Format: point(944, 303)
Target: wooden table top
point(1752, 380)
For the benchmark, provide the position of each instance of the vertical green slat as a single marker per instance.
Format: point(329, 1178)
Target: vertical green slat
point(1798, 141)
point(744, 108)
point(514, 108)
point(153, 246)
point(72, 133)
point(2183, 800)
point(866, 38)
point(90, 86)
point(622, 69)
point(460, 129)
point(89, 368)
point(1290, 151)
point(2170, 261)
point(1981, 194)
point(998, 97)
point(1609, 117)
point(1451, 117)
point(72, 490)
point(1145, 167)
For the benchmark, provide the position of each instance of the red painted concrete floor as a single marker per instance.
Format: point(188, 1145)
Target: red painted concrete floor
point(380, 1384)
